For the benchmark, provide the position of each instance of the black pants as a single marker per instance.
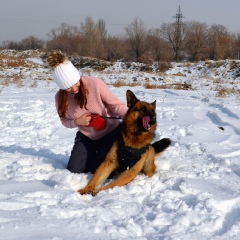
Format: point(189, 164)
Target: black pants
point(87, 154)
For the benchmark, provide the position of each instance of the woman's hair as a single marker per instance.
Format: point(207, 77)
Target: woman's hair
point(80, 99)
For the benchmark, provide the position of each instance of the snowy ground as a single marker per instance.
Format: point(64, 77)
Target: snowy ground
point(195, 193)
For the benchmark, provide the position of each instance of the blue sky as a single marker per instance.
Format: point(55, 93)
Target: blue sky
point(22, 18)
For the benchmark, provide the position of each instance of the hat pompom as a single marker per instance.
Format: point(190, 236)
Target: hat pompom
point(55, 58)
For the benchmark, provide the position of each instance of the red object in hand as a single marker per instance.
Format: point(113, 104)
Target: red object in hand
point(97, 122)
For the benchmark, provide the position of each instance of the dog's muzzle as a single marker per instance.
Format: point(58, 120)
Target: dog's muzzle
point(148, 121)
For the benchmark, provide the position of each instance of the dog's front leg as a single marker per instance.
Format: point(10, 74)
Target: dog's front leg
point(149, 166)
point(100, 176)
point(127, 176)
point(102, 173)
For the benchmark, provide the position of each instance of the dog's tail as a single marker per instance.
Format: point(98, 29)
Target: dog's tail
point(161, 145)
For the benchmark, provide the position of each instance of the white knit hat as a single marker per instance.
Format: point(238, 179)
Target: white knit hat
point(65, 75)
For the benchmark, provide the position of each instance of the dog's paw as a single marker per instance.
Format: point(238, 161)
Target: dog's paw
point(94, 192)
point(84, 191)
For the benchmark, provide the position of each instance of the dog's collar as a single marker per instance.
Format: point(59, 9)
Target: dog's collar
point(128, 156)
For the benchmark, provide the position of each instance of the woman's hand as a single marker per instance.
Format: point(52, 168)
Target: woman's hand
point(84, 120)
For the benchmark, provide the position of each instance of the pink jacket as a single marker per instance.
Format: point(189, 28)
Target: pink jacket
point(100, 100)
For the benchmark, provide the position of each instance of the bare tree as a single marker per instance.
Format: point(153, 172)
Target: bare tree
point(159, 47)
point(175, 35)
point(137, 34)
point(115, 47)
point(92, 38)
point(102, 28)
point(66, 38)
point(29, 43)
point(32, 43)
point(216, 38)
point(196, 40)
point(237, 46)
point(11, 45)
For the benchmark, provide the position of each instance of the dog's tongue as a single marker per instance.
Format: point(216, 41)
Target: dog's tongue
point(146, 121)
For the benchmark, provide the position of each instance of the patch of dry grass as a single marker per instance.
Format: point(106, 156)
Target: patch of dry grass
point(6, 82)
point(14, 62)
point(34, 84)
point(234, 65)
point(149, 85)
point(219, 63)
point(121, 83)
point(225, 92)
point(179, 74)
point(177, 86)
point(16, 80)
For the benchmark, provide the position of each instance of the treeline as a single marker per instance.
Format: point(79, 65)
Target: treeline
point(192, 41)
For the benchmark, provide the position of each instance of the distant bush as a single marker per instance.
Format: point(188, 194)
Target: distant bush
point(29, 43)
point(164, 66)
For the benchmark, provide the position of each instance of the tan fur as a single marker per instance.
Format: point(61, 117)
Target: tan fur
point(134, 138)
point(55, 58)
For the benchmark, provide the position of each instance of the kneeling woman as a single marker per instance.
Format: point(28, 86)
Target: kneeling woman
point(78, 98)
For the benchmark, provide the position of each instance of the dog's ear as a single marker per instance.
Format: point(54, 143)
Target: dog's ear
point(131, 98)
point(154, 104)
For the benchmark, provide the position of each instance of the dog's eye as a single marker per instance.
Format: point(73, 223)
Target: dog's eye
point(143, 109)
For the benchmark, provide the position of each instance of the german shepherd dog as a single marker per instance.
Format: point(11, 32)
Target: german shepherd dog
point(134, 151)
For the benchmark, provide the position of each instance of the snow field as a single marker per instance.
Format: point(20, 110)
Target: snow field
point(193, 195)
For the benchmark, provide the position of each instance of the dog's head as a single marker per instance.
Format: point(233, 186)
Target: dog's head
point(141, 116)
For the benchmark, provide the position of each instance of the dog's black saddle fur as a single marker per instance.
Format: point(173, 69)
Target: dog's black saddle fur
point(128, 156)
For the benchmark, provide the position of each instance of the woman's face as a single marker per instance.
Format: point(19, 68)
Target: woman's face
point(74, 89)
